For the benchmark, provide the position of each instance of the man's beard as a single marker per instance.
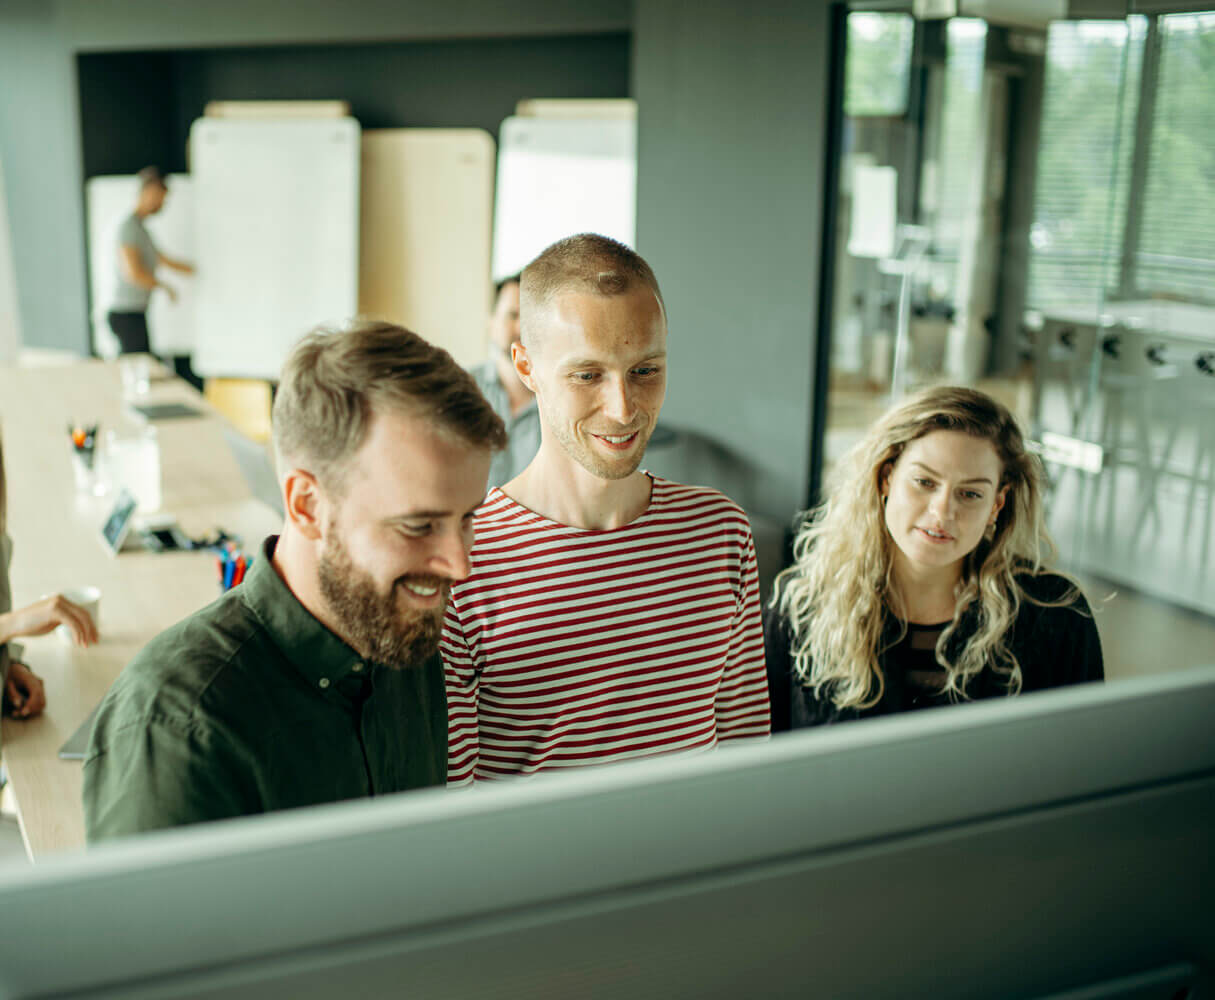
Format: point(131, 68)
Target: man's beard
point(371, 622)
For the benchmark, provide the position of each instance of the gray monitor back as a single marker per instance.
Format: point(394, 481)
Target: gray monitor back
point(1057, 842)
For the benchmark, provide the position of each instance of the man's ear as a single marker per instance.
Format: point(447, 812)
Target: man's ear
point(304, 502)
point(523, 364)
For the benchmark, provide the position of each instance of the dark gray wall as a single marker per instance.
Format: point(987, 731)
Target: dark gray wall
point(127, 120)
point(40, 148)
point(434, 84)
point(137, 107)
point(1025, 95)
point(729, 213)
point(95, 25)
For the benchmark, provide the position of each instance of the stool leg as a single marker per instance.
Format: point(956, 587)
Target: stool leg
point(1196, 478)
point(1111, 486)
point(1208, 450)
point(1157, 471)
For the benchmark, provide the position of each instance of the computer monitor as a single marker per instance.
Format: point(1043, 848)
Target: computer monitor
point(1058, 842)
point(255, 465)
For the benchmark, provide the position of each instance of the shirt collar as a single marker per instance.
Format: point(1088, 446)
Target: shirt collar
point(317, 653)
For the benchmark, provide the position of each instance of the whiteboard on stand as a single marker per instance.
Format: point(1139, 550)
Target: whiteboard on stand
point(277, 229)
point(559, 177)
point(108, 201)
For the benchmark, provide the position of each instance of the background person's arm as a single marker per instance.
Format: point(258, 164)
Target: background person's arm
point(134, 271)
point(24, 694)
point(174, 263)
point(42, 616)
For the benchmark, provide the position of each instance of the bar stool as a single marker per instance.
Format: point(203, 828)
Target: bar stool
point(1193, 402)
point(1062, 352)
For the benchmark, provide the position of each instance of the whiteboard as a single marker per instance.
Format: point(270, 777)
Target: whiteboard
point(560, 177)
point(874, 211)
point(277, 228)
point(427, 197)
point(109, 200)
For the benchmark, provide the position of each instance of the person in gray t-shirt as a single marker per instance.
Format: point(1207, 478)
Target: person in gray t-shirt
point(510, 398)
point(136, 258)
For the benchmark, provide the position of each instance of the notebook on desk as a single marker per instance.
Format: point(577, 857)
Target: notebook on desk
point(167, 411)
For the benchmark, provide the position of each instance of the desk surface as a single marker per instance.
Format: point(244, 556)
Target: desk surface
point(56, 546)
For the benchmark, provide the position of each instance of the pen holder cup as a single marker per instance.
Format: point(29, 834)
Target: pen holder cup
point(87, 473)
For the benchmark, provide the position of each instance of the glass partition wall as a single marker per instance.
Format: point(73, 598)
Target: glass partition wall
point(1028, 207)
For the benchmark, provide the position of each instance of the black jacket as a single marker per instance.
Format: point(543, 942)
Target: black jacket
point(1054, 646)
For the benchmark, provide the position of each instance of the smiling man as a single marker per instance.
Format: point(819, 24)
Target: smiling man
point(318, 678)
point(609, 614)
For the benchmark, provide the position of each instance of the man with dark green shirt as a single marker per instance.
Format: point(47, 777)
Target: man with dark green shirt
point(318, 678)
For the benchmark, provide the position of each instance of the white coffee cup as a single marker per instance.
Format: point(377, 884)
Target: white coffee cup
point(88, 598)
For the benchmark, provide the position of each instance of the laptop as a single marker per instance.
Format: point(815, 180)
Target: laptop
point(78, 743)
point(256, 467)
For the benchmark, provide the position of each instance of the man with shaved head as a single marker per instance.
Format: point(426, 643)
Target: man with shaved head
point(608, 614)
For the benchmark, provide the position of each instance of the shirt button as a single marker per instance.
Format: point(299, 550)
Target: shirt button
point(357, 668)
point(324, 682)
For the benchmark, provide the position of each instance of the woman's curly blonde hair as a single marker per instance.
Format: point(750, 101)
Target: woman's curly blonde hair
point(838, 597)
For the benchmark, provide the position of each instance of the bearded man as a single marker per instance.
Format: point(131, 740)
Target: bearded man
point(317, 679)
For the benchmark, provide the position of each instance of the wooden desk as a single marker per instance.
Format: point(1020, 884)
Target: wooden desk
point(56, 546)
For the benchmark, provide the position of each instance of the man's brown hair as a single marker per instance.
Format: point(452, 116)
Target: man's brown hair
point(336, 378)
point(587, 262)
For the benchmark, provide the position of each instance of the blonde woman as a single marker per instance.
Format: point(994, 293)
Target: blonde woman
point(24, 696)
point(922, 579)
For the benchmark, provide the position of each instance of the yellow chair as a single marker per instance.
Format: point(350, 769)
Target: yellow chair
point(244, 401)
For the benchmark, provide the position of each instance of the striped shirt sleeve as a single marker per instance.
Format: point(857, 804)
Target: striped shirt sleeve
point(742, 700)
point(462, 678)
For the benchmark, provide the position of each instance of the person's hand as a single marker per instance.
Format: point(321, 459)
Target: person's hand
point(24, 695)
point(49, 613)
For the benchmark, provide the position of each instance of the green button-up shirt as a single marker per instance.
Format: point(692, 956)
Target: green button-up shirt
point(251, 705)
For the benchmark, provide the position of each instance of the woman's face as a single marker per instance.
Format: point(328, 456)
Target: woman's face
point(940, 495)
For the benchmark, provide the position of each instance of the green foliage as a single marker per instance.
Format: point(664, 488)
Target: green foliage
point(878, 64)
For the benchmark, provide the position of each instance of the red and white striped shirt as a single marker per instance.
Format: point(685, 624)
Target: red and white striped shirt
point(567, 646)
